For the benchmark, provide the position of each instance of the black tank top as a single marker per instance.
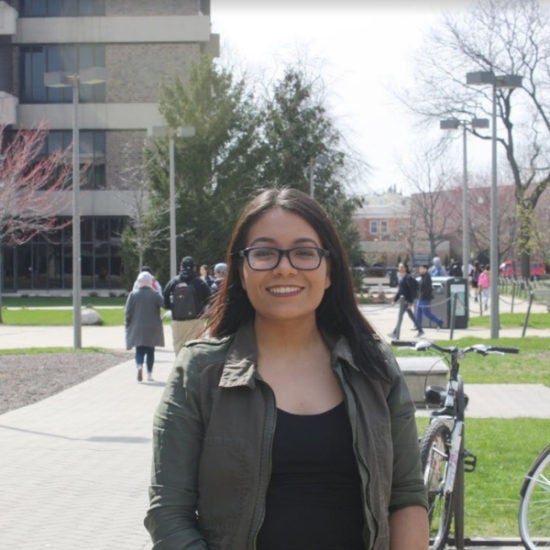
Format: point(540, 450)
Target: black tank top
point(314, 496)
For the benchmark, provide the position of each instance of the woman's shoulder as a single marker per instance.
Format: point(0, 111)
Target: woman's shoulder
point(203, 351)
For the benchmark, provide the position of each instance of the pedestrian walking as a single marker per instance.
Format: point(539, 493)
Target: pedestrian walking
point(204, 274)
point(455, 269)
point(220, 270)
point(407, 292)
point(143, 323)
point(425, 297)
point(484, 284)
point(476, 272)
point(437, 269)
point(292, 427)
point(186, 295)
point(156, 285)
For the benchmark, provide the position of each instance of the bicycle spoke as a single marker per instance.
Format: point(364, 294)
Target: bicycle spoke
point(534, 518)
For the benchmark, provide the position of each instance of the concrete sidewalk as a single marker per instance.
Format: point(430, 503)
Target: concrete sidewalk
point(75, 467)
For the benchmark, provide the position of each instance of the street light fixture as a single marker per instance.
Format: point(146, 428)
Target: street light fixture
point(182, 132)
point(60, 79)
point(454, 124)
point(510, 81)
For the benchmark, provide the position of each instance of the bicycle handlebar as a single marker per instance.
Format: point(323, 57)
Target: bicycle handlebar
point(483, 349)
point(502, 349)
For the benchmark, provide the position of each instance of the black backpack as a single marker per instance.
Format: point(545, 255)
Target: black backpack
point(185, 303)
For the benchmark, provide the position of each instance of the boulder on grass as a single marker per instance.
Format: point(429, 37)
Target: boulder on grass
point(90, 316)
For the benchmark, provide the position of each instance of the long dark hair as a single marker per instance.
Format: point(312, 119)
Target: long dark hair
point(337, 314)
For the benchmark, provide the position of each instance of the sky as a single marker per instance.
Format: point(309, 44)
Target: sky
point(361, 49)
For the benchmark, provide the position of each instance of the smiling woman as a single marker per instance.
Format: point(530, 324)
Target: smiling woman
point(292, 427)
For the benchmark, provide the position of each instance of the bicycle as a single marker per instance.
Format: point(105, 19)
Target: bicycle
point(444, 457)
point(534, 507)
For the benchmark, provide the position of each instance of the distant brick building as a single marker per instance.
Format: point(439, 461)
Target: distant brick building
point(392, 226)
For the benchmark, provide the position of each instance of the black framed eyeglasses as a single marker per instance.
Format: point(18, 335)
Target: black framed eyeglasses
point(265, 258)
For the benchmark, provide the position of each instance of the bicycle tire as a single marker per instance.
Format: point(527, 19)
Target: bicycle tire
point(534, 508)
point(434, 452)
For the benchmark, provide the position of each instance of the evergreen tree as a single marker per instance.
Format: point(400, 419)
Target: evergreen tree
point(216, 169)
point(304, 150)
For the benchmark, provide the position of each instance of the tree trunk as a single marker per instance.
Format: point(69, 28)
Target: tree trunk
point(526, 212)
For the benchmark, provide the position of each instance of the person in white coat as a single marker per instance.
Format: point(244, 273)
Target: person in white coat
point(143, 323)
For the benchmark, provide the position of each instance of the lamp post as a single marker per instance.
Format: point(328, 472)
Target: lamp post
point(454, 124)
point(60, 79)
point(183, 132)
point(510, 81)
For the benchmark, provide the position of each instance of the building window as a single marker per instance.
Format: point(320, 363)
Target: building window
point(38, 60)
point(374, 226)
point(92, 152)
point(45, 262)
point(62, 8)
point(383, 227)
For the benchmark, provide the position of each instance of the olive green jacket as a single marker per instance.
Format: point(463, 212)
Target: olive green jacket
point(213, 433)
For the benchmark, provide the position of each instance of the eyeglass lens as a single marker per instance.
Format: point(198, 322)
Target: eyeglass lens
point(265, 258)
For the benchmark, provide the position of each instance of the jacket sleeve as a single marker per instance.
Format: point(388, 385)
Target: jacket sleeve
point(168, 289)
point(399, 292)
point(407, 482)
point(178, 432)
point(128, 310)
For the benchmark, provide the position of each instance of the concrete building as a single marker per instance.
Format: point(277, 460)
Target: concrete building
point(139, 43)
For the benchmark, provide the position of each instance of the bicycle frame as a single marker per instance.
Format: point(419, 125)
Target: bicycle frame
point(444, 456)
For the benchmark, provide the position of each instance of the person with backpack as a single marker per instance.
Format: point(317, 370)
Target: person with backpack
point(407, 292)
point(455, 269)
point(425, 296)
point(186, 296)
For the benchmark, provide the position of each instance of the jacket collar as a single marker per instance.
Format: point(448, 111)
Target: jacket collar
point(242, 357)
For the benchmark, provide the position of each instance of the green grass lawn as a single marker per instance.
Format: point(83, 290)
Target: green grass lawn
point(505, 448)
point(512, 320)
point(44, 311)
point(57, 317)
point(47, 301)
point(530, 366)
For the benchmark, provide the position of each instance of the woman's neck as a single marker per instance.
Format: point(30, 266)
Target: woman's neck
point(283, 337)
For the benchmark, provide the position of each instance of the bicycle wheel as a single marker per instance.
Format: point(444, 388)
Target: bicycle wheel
point(434, 452)
point(534, 508)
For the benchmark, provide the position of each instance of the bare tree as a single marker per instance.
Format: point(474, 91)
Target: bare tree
point(507, 226)
point(30, 182)
point(504, 37)
point(433, 212)
point(141, 234)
